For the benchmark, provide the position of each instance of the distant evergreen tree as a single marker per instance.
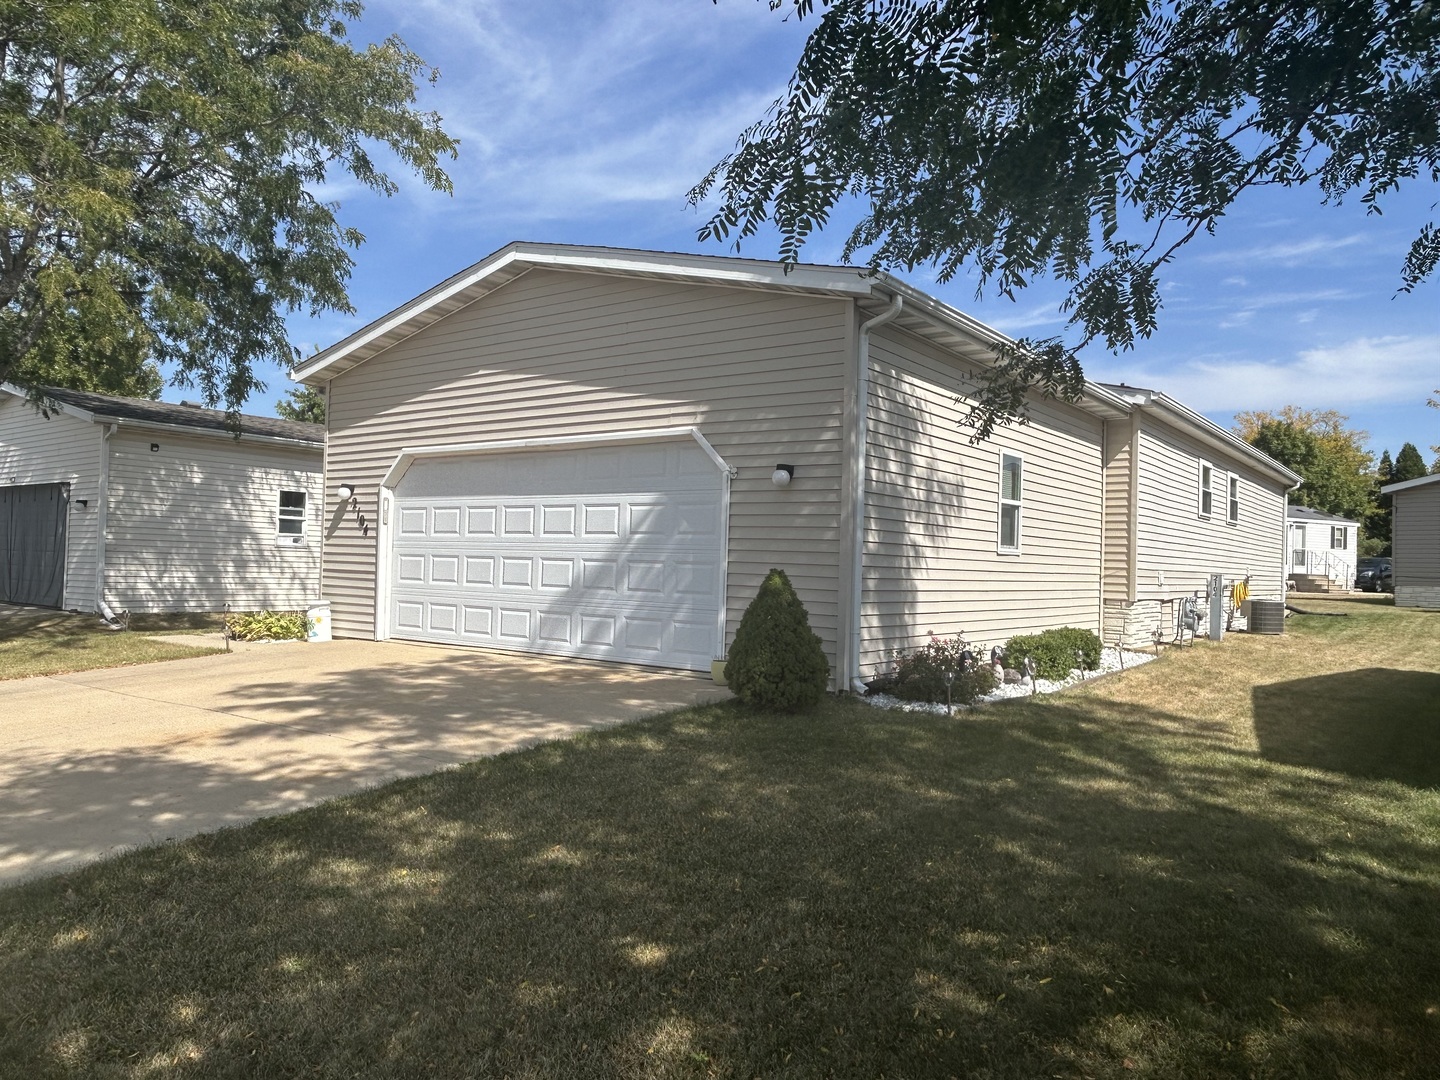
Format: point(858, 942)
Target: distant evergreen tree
point(1409, 465)
point(1386, 469)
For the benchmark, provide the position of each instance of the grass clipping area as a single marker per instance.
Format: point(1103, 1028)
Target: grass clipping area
point(56, 642)
point(1223, 864)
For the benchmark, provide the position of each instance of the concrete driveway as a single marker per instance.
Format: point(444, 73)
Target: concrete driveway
point(98, 761)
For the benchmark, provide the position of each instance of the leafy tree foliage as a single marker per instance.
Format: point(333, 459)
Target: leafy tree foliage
point(1333, 483)
point(1088, 141)
point(303, 403)
point(1377, 521)
point(1409, 465)
point(159, 162)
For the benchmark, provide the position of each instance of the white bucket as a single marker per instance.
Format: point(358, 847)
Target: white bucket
point(317, 621)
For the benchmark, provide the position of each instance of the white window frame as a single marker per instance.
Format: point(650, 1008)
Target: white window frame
point(1205, 483)
point(285, 513)
point(1341, 533)
point(1232, 500)
point(1001, 503)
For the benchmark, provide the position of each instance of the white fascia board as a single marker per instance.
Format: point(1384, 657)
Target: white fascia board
point(410, 454)
point(55, 404)
point(702, 269)
point(1406, 485)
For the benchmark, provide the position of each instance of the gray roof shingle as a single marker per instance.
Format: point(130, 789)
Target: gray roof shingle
point(109, 407)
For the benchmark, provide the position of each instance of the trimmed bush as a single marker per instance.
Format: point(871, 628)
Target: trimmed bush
point(920, 675)
point(266, 626)
point(1056, 652)
point(777, 662)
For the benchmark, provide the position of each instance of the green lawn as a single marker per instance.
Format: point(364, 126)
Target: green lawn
point(1223, 864)
point(40, 642)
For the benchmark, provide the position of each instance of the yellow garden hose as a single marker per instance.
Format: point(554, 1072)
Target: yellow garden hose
point(1239, 593)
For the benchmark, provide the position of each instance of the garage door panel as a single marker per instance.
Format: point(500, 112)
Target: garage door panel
point(480, 521)
point(611, 574)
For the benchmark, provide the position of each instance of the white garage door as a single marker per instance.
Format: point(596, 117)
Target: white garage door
point(610, 552)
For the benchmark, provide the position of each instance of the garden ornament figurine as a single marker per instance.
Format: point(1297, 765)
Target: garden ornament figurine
point(1030, 671)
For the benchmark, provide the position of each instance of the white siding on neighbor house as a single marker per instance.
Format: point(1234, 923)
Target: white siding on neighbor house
point(1416, 546)
point(556, 354)
point(1176, 548)
point(932, 512)
point(192, 526)
point(61, 449)
point(1321, 559)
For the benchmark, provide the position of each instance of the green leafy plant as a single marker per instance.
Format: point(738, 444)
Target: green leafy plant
point(266, 626)
point(920, 675)
point(1056, 652)
point(777, 661)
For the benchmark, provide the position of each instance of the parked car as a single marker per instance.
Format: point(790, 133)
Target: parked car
point(1374, 575)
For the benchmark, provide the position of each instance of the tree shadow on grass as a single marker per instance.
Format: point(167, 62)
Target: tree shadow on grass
point(1375, 723)
point(1057, 888)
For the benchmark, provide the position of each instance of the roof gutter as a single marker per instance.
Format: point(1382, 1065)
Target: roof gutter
point(185, 429)
point(857, 485)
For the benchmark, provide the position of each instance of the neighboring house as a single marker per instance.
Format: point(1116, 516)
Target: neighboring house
point(148, 506)
point(1184, 499)
point(598, 452)
point(1415, 541)
point(1321, 550)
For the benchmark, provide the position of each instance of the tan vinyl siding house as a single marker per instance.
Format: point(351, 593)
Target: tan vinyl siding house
point(933, 558)
point(1415, 541)
point(168, 510)
point(578, 451)
point(1185, 500)
point(554, 355)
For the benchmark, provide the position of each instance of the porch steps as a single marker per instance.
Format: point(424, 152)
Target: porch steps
point(1317, 583)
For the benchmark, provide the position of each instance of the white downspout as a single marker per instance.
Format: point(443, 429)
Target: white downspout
point(102, 514)
point(857, 483)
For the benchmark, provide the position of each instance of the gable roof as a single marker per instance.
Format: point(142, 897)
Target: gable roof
point(1205, 429)
point(1305, 513)
point(108, 408)
point(921, 314)
point(1406, 485)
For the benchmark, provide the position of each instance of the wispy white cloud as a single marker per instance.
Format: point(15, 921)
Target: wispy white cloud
point(1289, 252)
point(568, 110)
point(1363, 371)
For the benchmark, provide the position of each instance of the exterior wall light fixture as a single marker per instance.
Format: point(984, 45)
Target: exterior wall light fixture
point(347, 492)
point(782, 475)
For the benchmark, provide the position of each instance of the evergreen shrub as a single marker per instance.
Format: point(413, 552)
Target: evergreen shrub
point(1056, 652)
point(777, 662)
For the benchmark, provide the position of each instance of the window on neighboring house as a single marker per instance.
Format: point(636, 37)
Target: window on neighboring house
point(1207, 491)
point(1011, 495)
point(290, 516)
point(1337, 536)
point(1232, 511)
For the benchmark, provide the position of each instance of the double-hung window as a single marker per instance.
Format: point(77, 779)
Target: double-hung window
point(290, 517)
point(1012, 491)
point(1232, 508)
point(1337, 536)
point(1207, 491)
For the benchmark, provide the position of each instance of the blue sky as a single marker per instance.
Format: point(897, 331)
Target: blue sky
point(587, 122)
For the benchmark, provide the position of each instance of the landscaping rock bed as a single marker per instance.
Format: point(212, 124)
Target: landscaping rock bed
point(1109, 662)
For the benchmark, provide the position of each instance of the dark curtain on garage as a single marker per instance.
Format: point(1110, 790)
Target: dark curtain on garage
point(32, 544)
